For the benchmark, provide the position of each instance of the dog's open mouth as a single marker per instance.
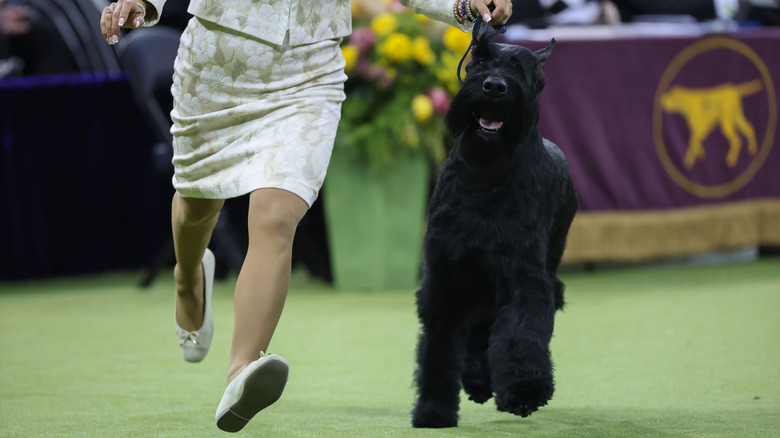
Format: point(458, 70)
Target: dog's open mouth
point(490, 120)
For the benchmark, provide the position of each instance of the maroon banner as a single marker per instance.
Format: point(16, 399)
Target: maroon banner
point(658, 123)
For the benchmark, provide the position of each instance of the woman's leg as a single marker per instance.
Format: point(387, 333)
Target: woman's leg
point(265, 276)
point(192, 221)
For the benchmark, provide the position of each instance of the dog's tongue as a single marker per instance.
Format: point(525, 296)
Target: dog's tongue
point(492, 125)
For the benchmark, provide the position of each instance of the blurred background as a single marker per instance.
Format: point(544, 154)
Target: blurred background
point(666, 111)
point(85, 157)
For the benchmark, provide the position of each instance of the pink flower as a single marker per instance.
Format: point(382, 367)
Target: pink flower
point(363, 38)
point(396, 6)
point(440, 99)
point(373, 72)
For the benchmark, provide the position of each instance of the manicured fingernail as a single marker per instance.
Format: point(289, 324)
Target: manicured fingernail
point(486, 17)
point(121, 20)
point(114, 38)
point(138, 23)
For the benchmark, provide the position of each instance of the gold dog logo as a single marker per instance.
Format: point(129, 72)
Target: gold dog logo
point(708, 110)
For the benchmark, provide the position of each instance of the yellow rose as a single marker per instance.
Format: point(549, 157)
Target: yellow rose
point(422, 51)
point(350, 53)
point(456, 40)
point(422, 108)
point(397, 47)
point(384, 24)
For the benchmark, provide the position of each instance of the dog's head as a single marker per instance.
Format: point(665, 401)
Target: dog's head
point(498, 102)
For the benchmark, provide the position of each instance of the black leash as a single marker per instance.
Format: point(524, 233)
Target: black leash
point(474, 38)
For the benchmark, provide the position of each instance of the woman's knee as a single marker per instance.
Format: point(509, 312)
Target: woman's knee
point(275, 212)
point(195, 211)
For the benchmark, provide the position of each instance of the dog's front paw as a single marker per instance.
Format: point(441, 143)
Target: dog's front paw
point(525, 398)
point(477, 386)
point(522, 410)
point(477, 390)
point(427, 415)
point(480, 397)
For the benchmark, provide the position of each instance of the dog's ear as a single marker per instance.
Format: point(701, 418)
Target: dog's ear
point(543, 55)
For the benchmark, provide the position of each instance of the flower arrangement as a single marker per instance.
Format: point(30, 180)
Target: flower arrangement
point(402, 74)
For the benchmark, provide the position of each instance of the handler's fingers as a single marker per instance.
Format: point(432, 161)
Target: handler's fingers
point(136, 18)
point(483, 9)
point(123, 13)
point(119, 18)
point(106, 23)
point(501, 12)
point(130, 14)
point(103, 30)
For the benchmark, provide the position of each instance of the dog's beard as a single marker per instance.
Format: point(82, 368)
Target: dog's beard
point(491, 119)
point(492, 123)
point(467, 115)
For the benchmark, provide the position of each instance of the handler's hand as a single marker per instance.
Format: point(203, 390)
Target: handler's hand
point(122, 13)
point(500, 14)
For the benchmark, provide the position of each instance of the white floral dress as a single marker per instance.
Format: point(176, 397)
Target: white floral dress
point(257, 88)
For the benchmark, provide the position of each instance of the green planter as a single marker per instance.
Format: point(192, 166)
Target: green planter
point(375, 221)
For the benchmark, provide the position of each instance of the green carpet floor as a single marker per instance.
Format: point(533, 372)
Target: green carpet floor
point(641, 352)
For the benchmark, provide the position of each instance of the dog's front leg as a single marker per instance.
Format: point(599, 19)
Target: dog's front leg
point(519, 353)
point(439, 364)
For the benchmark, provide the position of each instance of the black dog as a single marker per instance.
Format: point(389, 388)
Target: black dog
point(498, 221)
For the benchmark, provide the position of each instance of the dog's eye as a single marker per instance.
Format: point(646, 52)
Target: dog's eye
point(474, 64)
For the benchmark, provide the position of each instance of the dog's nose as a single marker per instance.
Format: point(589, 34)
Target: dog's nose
point(494, 86)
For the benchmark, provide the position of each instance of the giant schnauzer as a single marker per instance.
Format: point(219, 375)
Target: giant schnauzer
point(498, 221)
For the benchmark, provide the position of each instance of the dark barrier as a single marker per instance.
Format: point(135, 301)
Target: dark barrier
point(78, 192)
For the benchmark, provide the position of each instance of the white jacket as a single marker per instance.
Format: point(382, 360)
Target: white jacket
point(307, 21)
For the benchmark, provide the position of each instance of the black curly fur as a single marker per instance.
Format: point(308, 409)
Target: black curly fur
point(498, 221)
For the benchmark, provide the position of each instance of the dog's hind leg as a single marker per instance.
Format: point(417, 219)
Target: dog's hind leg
point(557, 245)
point(519, 353)
point(555, 252)
point(564, 216)
point(476, 373)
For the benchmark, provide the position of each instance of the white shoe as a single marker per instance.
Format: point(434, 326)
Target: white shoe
point(194, 345)
point(255, 388)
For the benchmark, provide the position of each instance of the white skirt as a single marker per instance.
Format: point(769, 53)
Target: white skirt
point(248, 114)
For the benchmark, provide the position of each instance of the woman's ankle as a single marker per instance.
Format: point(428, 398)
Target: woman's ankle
point(189, 284)
point(234, 370)
point(190, 300)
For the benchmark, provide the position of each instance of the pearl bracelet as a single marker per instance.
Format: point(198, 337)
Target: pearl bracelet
point(461, 9)
point(469, 15)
